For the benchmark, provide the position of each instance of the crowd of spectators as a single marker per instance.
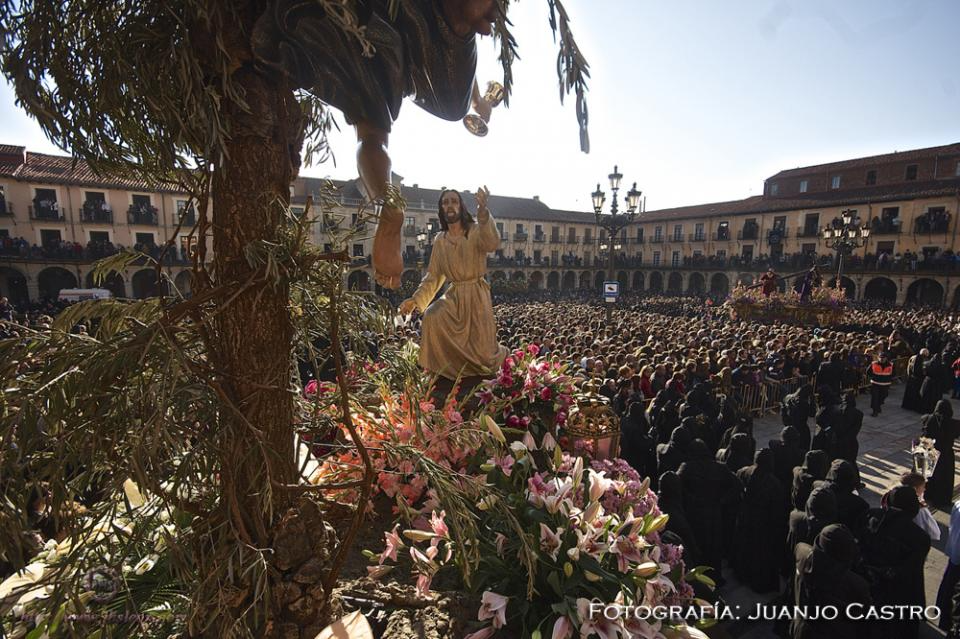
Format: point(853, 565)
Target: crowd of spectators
point(19, 247)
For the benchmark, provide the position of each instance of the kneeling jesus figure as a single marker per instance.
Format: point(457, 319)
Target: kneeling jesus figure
point(459, 332)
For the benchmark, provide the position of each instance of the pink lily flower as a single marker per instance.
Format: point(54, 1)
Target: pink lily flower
point(394, 543)
point(493, 606)
point(550, 541)
point(439, 526)
point(562, 628)
point(483, 633)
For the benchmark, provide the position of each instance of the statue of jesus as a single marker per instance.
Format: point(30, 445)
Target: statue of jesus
point(459, 333)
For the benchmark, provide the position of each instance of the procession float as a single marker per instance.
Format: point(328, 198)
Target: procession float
point(817, 305)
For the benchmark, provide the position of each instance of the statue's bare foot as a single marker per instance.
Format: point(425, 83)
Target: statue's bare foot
point(387, 259)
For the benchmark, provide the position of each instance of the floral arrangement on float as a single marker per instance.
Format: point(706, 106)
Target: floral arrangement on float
point(823, 305)
point(536, 533)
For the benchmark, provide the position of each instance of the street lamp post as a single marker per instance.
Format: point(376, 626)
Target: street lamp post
point(423, 237)
point(614, 222)
point(843, 235)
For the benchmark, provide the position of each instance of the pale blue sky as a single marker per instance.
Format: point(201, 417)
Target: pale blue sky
point(697, 101)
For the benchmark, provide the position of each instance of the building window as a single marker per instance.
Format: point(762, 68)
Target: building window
point(188, 246)
point(519, 228)
point(677, 232)
point(144, 239)
point(358, 250)
point(723, 231)
point(588, 236)
point(49, 237)
point(658, 233)
point(911, 172)
point(698, 253)
point(518, 254)
point(835, 182)
point(774, 188)
point(656, 258)
point(871, 177)
point(698, 231)
point(411, 222)
point(537, 254)
point(675, 259)
point(99, 236)
point(803, 186)
point(956, 171)
point(722, 253)
point(808, 249)
point(500, 232)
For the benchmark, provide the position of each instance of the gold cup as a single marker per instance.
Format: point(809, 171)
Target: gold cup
point(474, 122)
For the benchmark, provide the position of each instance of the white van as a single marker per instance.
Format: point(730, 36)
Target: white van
point(80, 294)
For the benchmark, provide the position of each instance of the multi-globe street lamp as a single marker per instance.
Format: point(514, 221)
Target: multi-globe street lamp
point(614, 221)
point(843, 235)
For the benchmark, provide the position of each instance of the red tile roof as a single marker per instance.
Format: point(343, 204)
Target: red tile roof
point(903, 156)
point(58, 169)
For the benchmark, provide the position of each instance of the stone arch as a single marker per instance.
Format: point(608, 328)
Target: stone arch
point(656, 282)
point(535, 281)
point(518, 276)
point(599, 279)
point(184, 283)
point(498, 276)
point(358, 280)
point(144, 283)
point(624, 280)
point(637, 281)
point(697, 284)
point(745, 279)
point(925, 291)
point(53, 279)
point(13, 285)
point(720, 284)
point(675, 282)
point(553, 281)
point(585, 280)
point(113, 282)
point(880, 289)
point(569, 281)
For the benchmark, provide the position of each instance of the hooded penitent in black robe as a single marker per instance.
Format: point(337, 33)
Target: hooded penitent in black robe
point(798, 407)
point(674, 452)
point(932, 389)
point(847, 430)
point(823, 578)
point(894, 550)
point(804, 525)
point(914, 380)
point(787, 455)
point(636, 446)
point(670, 502)
point(816, 463)
point(761, 526)
point(709, 488)
point(943, 429)
point(852, 509)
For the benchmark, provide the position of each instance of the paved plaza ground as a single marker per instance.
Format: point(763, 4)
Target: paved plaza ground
point(884, 445)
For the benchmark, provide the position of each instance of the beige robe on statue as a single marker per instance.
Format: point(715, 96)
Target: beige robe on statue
point(459, 333)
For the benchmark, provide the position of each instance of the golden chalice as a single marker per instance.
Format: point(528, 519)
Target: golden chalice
point(494, 96)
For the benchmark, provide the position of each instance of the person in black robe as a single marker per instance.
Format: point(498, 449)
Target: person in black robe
point(816, 463)
point(761, 525)
point(847, 430)
point(828, 417)
point(636, 445)
point(824, 577)
point(932, 389)
point(674, 452)
point(852, 509)
point(830, 374)
point(743, 426)
point(670, 502)
point(914, 380)
point(803, 526)
point(788, 453)
point(943, 429)
point(709, 488)
point(894, 550)
point(798, 407)
point(738, 454)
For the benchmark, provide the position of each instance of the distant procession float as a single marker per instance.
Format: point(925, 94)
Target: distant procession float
point(813, 303)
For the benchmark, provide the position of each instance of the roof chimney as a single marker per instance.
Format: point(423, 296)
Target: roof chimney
point(416, 186)
point(536, 198)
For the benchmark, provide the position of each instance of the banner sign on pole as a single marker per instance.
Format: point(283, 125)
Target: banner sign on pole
point(611, 290)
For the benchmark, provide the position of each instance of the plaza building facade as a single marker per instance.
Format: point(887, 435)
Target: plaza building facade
point(909, 200)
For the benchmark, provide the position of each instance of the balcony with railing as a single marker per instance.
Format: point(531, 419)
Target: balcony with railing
point(520, 236)
point(410, 230)
point(146, 215)
point(886, 227)
point(539, 237)
point(698, 237)
point(809, 232)
point(722, 236)
point(573, 239)
point(95, 213)
point(935, 222)
point(638, 240)
point(748, 234)
point(776, 236)
point(656, 239)
point(6, 208)
point(677, 237)
point(46, 210)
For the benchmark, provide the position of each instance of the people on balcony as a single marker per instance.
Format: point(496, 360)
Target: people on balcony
point(933, 221)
